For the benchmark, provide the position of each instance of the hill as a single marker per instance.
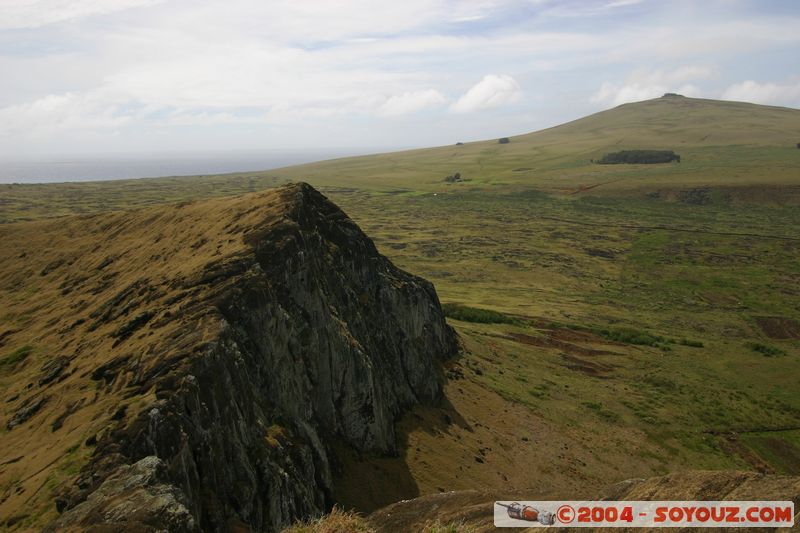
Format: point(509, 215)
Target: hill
point(747, 150)
point(615, 321)
point(721, 143)
point(202, 361)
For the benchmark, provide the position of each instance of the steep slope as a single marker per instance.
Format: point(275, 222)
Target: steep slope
point(192, 367)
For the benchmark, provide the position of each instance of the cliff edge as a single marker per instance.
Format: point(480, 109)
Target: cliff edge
point(208, 356)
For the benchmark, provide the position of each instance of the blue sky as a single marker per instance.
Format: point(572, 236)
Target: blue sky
point(88, 77)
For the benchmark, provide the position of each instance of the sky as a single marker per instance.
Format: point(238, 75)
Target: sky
point(129, 76)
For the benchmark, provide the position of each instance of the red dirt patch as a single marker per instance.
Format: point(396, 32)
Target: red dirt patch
point(554, 340)
point(591, 368)
point(776, 327)
point(789, 453)
point(733, 446)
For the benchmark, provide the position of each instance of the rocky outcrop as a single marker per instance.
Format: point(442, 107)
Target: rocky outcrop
point(138, 497)
point(306, 339)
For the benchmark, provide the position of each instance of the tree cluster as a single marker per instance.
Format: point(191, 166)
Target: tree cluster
point(645, 157)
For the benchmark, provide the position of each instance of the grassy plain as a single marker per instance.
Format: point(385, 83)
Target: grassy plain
point(634, 294)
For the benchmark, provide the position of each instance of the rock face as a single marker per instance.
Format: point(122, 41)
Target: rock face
point(305, 339)
point(136, 497)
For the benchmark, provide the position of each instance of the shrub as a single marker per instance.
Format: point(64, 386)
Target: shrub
point(646, 157)
point(693, 344)
point(632, 336)
point(474, 314)
point(765, 349)
point(277, 436)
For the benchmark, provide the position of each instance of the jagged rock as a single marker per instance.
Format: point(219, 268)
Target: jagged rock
point(316, 339)
point(139, 497)
point(28, 408)
point(108, 371)
point(127, 329)
point(52, 369)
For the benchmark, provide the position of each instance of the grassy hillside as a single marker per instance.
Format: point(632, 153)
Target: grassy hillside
point(721, 143)
point(746, 152)
point(649, 314)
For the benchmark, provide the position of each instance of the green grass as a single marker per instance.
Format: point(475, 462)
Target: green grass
point(17, 356)
point(601, 411)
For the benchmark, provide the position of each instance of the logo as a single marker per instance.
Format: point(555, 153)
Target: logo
point(645, 514)
point(527, 513)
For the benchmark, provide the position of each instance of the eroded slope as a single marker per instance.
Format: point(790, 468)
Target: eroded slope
point(234, 339)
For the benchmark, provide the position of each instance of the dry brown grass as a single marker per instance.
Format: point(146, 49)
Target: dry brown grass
point(68, 288)
point(337, 521)
point(458, 526)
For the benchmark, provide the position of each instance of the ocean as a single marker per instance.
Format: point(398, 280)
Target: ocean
point(52, 170)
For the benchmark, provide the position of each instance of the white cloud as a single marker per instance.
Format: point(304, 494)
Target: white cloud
point(646, 84)
point(492, 91)
point(622, 3)
point(470, 11)
point(60, 112)
point(764, 93)
point(312, 65)
point(412, 102)
point(16, 14)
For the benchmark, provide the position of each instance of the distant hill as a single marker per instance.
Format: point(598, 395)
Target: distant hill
point(730, 144)
point(681, 120)
point(711, 136)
